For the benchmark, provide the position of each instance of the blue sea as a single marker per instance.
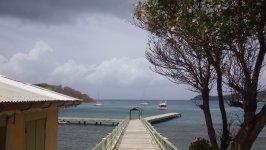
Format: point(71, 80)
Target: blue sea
point(180, 131)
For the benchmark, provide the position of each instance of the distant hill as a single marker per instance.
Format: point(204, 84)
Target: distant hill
point(67, 91)
point(261, 95)
point(198, 97)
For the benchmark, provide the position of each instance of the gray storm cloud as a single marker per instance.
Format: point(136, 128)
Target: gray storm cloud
point(63, 10)
point(89, 45)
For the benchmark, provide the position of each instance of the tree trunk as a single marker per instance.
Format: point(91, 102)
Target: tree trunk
point(225, 134)
point(249, 132)
point(217, 66)
point(208, 120)
point(253, 123)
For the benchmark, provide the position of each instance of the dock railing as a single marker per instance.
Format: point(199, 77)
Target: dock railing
point(160, 142)
point(109, 142)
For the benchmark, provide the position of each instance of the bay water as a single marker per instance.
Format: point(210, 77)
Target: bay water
point(180, 131)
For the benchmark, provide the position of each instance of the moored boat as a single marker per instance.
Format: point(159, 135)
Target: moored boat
point(98, 104)
point(162, 106)
point(144, 103)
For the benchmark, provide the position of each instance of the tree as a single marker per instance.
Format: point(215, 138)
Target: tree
point(183, 65)
point(248, 48)
point(204, 27)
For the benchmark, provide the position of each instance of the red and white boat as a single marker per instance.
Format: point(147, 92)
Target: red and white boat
point(162, 105)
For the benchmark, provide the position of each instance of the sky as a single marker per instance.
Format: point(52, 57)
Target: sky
point(89, 45)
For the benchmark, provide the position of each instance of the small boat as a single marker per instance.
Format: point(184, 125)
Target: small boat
point(98, 104)
point(144, 103)
point(162, 106)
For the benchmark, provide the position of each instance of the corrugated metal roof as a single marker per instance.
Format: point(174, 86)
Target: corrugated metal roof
point(16, 91)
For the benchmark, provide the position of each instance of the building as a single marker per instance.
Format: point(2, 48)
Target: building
point(29, 115)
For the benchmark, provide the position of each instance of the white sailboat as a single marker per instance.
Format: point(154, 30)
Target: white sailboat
point(144, 103)
point(98, 104)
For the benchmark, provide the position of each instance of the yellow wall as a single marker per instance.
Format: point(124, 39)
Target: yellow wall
point(15, 139)
point(51, 129)
point(15, 133)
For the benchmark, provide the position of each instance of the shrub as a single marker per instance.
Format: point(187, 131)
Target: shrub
point(199, 144)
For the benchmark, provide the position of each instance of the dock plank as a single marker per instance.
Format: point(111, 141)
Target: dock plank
point(135, 137)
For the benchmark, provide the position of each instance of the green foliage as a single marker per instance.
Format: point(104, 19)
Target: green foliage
point(200, 144)
point(222, 21)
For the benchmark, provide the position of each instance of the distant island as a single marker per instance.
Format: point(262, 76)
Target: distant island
point(261, 96)
point(199, 97)
point(67, 91)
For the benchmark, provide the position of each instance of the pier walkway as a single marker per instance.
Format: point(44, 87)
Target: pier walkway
point(135, 137)
point(137, 134)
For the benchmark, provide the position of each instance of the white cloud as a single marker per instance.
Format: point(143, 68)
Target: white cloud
point(119, 77)
point(70, 71)
point(40, 64)
point(70, 67)
point(115, 72)
point(2, 59)
point(28, 65)
point(120, 72)
point(35, 54)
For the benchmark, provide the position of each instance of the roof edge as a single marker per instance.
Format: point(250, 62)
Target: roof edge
point(23, 106)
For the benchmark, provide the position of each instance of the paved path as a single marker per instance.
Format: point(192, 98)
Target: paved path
point(135, 137)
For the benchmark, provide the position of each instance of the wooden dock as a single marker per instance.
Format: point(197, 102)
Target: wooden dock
point(138, 134)
point(162, 117)
point(96, 121)
point(135, 137)
point(108, 121)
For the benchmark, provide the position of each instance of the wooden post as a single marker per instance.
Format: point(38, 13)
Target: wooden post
point(104, 144)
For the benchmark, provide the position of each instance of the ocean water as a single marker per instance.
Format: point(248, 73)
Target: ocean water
point(180, 131)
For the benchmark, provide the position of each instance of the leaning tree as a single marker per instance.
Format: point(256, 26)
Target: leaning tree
point(230, 36)
point(183, 65)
